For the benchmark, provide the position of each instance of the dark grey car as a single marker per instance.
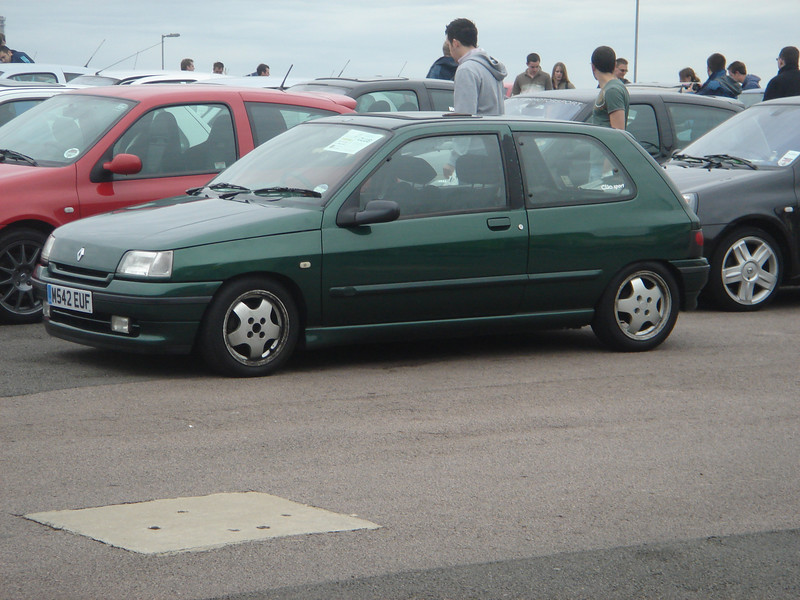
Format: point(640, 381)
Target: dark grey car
point(662, 120)
point(743, 181)
point(387, 94)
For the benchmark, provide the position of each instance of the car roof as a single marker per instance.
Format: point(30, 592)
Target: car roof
point(16, 68)
point(207, 93)
point(643, 93)
point(350, 82)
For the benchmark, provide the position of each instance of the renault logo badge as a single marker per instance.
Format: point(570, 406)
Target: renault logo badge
point(81, 252)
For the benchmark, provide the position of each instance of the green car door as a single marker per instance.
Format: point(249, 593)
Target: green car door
point(458, 249)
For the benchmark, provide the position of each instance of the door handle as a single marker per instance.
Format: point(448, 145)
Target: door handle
point(499, 223)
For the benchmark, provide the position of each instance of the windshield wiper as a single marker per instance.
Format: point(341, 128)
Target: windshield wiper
point(13, 154)
point(688, 158)
point(229, 190)
point(732, 159)
point(276, 191)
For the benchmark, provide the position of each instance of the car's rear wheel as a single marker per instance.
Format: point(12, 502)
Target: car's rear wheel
point(745, 270)
point(638, 309)
point(19, 253)
point(250, 329)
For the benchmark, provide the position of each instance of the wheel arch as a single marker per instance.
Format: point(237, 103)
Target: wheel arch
point(41, 226)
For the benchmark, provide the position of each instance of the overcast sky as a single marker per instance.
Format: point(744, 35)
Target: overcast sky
point(401, 37)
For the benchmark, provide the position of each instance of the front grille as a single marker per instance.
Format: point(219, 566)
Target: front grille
point(75, 274)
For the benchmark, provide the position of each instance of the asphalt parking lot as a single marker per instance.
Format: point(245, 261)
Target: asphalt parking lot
point(538, 465)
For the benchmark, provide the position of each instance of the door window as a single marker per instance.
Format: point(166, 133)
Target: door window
point(691, 121)
point(441, 175)
point(643, 126)
point(179, 140)
point(442, 100)
point(561, 169)
point(388, 101)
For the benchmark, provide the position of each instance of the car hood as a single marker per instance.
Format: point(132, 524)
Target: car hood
point(176, 223)
point(697, 179)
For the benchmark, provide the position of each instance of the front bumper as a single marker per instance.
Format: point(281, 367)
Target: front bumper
point(164, 317)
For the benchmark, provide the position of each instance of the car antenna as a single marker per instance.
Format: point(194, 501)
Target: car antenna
point(343, 68)
point(93, 53)
point(401, 70)
point(283, 83)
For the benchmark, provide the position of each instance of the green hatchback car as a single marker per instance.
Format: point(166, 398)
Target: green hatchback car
point(390, 226)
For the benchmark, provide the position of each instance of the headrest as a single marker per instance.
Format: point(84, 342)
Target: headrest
point(413, 169)
point(476, 168)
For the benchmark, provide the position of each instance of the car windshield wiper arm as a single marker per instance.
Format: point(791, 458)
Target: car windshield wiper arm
point(13, 154)
point(227, 191)
point(688, 158)
point(275, 191)
point(733, 159)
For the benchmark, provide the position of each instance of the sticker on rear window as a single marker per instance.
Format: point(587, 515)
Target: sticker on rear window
point(788, 158)
point(353, 141)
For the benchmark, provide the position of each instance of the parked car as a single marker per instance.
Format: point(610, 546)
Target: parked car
point(662, 120)
point(368, 226)
point(97, 149)
point(16, 99)
point(387, 94)
point(41, 72)
point(743, 181)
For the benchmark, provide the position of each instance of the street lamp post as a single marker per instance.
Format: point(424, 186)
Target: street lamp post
point(166, 35)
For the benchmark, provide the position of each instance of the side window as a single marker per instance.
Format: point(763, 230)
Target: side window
point(37, 77)
point(442, 100)
point(691, 121)
point(179, 140)
point(9, 110)
point(388, 101)
point(441, 175)
point(268, 120)
point(642, 125)
point(562, 169)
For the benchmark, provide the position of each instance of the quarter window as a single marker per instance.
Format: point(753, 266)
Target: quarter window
point(441, 175)
point(442, 100)
point(564, 170)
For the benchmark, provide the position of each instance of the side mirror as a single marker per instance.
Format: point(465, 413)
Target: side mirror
point(376, 211)
point(124, 164)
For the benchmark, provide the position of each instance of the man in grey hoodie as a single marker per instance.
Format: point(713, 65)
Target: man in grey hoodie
point(479, 78)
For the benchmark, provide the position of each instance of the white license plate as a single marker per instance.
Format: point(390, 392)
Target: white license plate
point(71, 298)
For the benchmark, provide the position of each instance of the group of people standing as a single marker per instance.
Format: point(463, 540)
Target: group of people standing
point(478, 77)
point(737, 79)
point(7, 55)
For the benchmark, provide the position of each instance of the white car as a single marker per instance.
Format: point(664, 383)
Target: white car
point(41, 72)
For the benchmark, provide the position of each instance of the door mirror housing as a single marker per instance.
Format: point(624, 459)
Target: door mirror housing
point(124, 164)
point(376, 211)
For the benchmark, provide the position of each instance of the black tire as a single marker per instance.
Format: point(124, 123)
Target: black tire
point(638, 309)
point(250, 328)
point(19, 252)
point(746, 270)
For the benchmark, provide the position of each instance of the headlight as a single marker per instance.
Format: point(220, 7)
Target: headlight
point(691, 201)
point(44, 257)
point(141, 263)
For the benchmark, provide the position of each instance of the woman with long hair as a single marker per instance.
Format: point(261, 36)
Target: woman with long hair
point(559, 77)
point(690, 82)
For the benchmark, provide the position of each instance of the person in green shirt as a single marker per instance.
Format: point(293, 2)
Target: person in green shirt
point(613, 101)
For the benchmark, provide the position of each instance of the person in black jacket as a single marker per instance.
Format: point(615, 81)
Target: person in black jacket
point(444, 67)
point(787, 81)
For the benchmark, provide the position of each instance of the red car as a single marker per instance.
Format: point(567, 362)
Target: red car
point(96, 150)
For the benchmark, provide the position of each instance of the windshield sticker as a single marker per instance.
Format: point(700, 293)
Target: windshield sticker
point(321, 188)
point(353, 141)
point(788, 158)
point(71, 153)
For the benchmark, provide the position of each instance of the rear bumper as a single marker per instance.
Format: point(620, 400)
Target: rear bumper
point(693, 275)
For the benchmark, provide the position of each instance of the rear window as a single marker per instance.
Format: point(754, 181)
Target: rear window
point(268, 120)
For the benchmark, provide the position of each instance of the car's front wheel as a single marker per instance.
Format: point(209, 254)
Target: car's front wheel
point(745, 270)
point(638, 309)
point(250, 329)
point(19, 253)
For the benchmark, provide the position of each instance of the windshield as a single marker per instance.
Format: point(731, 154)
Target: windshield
point(543, 108)
point(61, 129)
point(764, 135)
point(318, 157)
